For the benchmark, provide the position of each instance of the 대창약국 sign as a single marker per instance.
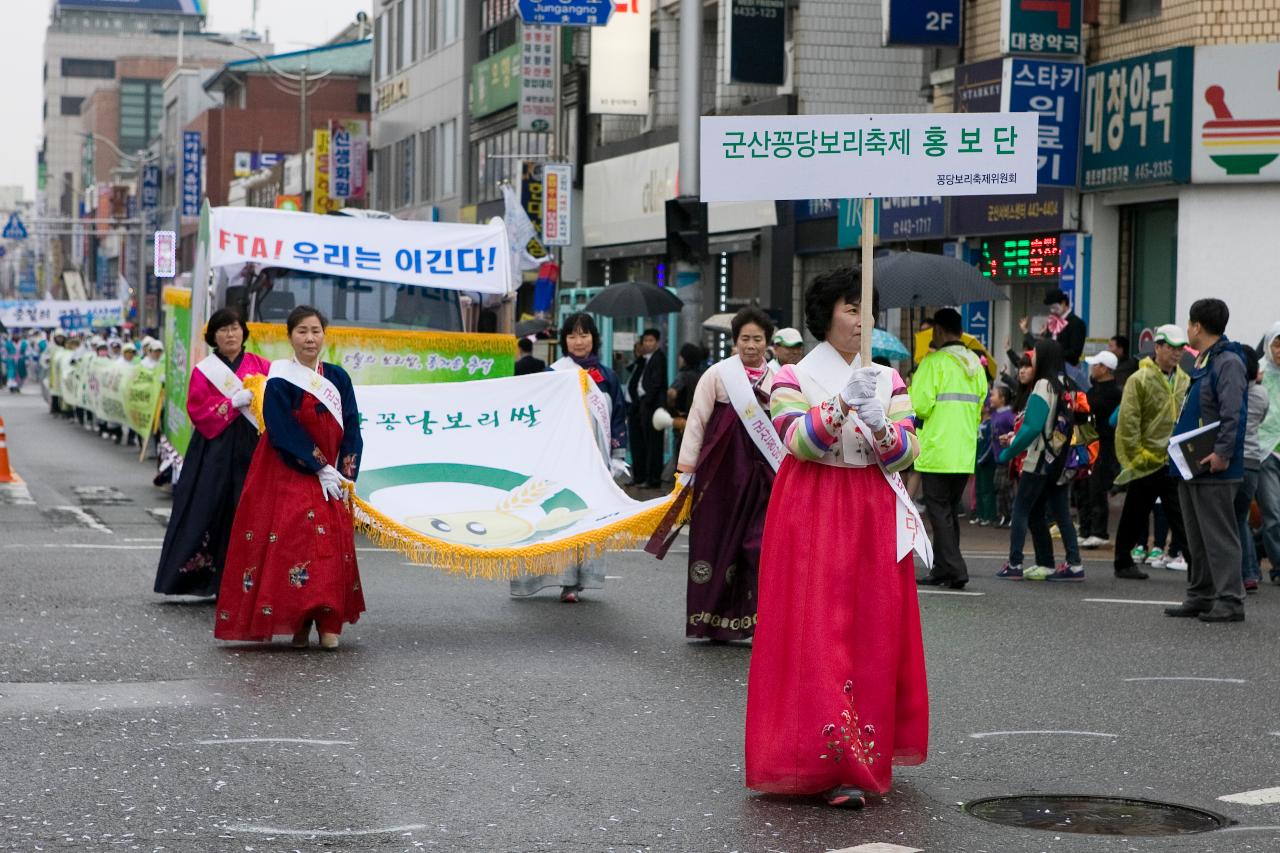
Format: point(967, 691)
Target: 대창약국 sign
point(750, 158)
point(1041, 27)
point(1137, 123)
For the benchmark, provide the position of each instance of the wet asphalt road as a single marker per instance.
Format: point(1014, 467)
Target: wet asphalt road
point(454, 718)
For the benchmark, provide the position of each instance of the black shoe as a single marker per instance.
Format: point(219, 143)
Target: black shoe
point(930, 580)
point(1132, 573)
point(1222, 614)
point(846, 797)
point(1185, 610)
point(957, 584)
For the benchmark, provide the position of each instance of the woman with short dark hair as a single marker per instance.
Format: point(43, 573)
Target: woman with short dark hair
point(837, 692)
point(728, 456)
point(580, 344)
point(223, 439)
point(292, 560)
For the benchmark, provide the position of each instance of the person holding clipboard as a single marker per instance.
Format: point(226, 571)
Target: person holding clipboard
point(1215, 589)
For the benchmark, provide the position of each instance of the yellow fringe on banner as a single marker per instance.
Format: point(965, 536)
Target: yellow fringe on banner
point(257, 383)
point(537, 558)
point(395, 339)
point(179, 296)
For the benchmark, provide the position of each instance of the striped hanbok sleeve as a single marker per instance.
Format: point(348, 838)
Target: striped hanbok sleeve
point(901, 446)
point(807, 431)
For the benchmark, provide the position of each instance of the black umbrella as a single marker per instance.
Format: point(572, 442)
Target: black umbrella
point(915, 279)
point(634, 299)
point(536, 326)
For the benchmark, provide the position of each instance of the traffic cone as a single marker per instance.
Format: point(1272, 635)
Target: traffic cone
point(6, 473)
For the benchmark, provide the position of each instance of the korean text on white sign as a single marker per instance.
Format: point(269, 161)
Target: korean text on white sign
point(747, 158)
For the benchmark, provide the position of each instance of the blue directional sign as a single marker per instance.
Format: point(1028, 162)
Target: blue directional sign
point(928, 23)
point(1, 251)
point(14, 230)
point(570, 13)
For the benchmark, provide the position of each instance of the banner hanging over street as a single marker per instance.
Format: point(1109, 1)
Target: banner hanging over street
point(432, 254)
point(750, 158)
point(492, 479)
point(71, 315)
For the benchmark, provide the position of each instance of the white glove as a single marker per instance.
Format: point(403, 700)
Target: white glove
point(618, 466)
point(330, 483)
point(684, 479)
point(861, 385)
point(871, 411)
point(242, 398)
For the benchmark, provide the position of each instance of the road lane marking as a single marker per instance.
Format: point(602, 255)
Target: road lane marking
point(878, 847)
point(79, 514)
point(217, 741)
point(1188, 678)
point(326, 833)
point(84, 547)
point(923, 591)
point(1260, 797)
point(1131, 601)
point(16, 494)
point(1066, 731)
point(127, 539)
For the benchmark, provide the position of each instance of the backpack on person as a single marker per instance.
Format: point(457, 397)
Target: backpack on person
point(1072, 444)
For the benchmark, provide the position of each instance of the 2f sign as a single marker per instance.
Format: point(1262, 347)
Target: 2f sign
point(927, 23)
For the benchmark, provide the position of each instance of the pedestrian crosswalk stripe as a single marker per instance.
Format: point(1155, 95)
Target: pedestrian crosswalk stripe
point(980, 735)
point(878, 847)
point(1131, 601)
point(1260, 797)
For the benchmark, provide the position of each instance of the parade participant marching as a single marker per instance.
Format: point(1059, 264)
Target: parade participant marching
point(837, 691)
point(15, 361)
point(292, 560)
point(580, 344)
point(222, 443)
point(731, 448)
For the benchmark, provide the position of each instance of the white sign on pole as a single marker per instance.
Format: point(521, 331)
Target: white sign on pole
point(166, 254)
point(747, 158)
point(537, 109)
point(557, 201)
point(619, 83)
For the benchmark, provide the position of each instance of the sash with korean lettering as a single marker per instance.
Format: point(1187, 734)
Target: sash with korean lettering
point(310, 381)
point(823, 373)
point(598, 405)
point(225, 380)
point(742, 397)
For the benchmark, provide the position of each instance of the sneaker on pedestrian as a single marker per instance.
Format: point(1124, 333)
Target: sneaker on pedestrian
point(975, 520)
point(1037, 573)
point(1177, 564)
point(1158, 562)
point(1155, 555)
point(1068, 572)
point(1092, 542)
point(1010, 573)
point(986, 522)
point(1006, 522)
point(1251, 585)
point(1138, 554)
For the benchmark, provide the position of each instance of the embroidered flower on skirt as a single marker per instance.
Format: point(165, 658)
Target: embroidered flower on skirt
point(200, 560)
point(849, 738)
point(266, 611)
point(248, 579)
point(271, 537)
point(298, 575)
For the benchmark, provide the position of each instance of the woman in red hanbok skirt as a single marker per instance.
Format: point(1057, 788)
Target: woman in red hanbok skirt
point(292, 559)
point(837, 691)
point(731, 449)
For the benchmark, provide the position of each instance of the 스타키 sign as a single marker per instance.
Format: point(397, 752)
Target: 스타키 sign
point(746, 158)
point(1051, 88)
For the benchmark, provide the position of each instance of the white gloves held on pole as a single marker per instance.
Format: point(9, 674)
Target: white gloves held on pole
point(618, 466)
point(860, 396)
point(242, 399)
point(331, 483)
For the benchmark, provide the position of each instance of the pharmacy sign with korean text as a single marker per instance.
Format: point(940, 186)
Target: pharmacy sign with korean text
point(1236, 114)
point(1137, 123)
point(750, 158)
point(1041, 27)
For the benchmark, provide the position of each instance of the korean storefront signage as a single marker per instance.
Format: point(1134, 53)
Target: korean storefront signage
point(245, 163)
point(978, 215)
point(1235, 115)
point(165, 258)
point(191, 190)
point(757, 41)
point(619, 70)
point(495, 82)
point(912, 218)
point(809, 209)
point(348, 150)
point(1137, 123)
point(977, 86)
point(532, 199)
point(392, 92)
point(927, 23)
point(537, 110)
point(557, 205)
point(1040, 27)
point(150, 187)
point(747, 158)
point(1053, 89)
point(321, 175)
point(849, 222)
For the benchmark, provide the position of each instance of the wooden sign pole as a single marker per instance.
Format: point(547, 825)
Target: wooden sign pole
point(866, 309)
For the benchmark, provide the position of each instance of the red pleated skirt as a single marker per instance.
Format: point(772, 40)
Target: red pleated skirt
point(837, 692)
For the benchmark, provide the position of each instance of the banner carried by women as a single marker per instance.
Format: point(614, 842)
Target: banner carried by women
point(492, 479)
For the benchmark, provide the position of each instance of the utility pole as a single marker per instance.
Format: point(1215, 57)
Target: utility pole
point(688, 276)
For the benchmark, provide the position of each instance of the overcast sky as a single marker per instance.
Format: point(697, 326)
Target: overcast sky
point(293, 24)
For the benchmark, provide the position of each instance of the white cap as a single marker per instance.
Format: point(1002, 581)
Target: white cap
point(1171, 334)
point(787, 337)
point(1106, 358)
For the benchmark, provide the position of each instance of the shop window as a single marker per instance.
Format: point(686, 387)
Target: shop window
point(141, 105)
point(96, 69)
point(1138, 10)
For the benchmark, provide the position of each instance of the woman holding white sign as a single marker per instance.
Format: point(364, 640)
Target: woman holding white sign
point(730, 443)
point(837, 691)
point(292, 560)
point(580, 344)
point(224, 437)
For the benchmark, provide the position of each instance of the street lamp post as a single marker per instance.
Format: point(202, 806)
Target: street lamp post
point(136, 161)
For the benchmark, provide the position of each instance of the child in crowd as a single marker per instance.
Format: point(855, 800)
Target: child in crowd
point(1254, 456)
point(1000, 423)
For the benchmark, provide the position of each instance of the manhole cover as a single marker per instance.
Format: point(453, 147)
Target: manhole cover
point(1095, 815)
